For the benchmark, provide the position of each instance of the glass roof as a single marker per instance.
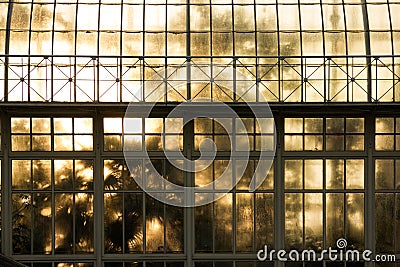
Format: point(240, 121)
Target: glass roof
point(222, 27)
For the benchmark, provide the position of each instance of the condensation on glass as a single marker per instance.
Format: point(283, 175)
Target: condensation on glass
point(324, 200)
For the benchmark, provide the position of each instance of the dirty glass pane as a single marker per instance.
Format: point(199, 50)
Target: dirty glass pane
point(293, 174)
point(385, 232)
point(223, 224)
point(384, 174)
point(244, 222)
point(355, 174)
point(355, 219)
point(313, 223)
point(293, 221)
point(334, 218)
point(313, 174)
point(264, 219)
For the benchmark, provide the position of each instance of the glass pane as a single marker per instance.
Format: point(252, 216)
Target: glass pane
point(313, 125)
point(223, 224)
point(334, 125)
point(113, 223)
point(293, 125)
point(293, 174)
point(132, 125)
point(174, 229)
point(84, 223)
point(334, 218)
point(154, 225)
point(41, 170)
point(63, 223)
point(83, 175)
point(384, 174)
point(21, 174)
point(63, 143)
point(264, 220)
point(244, 222)
point(355, 174)
point(203, 224)
point(355, 220)
point(384, 142)
point(22, 225)
point(83, 125)
point(112, 125)
point(63, 174)
point(40, 125)
point(313, 174)
point(42, 234)
point(133, 210)
point(384, 125)
point(20, 125)
point(384, 235)
point(41, 143)
point(354, 125)
point(62, 125)
point(293, 221)
point(334, 174)
point(313, 223)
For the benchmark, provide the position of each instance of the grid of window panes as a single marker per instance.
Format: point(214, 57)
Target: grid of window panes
point(52, 203)
point(240, 134)
point(241, 221)
point(324, 193)
point(289, 51)
point(130, 134)
point(324, 200)
point(52, 194)
point(134, 222)
point(324, 134)
point(51, 134)
point(387, 133)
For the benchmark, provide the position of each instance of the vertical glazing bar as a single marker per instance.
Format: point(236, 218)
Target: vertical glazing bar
point(279, 203)
point(369, 221)
point(7, 50)
point(6, 209)
point(189, 223)
point(367, 50)
point(188, 147)
point(98, 203)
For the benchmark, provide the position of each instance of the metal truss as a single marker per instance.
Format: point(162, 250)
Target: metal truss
point(137, 79)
